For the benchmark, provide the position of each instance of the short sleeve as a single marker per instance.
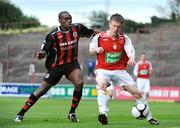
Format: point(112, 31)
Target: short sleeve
point(85, 32)
point(94, 43)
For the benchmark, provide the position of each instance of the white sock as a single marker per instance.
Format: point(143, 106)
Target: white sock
point(150, 114)
point(109, 98)
point(142, 100)
point(145, 101)
point(102, 101)
point(107, 102)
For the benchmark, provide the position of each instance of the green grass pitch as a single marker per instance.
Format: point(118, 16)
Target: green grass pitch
point(52, 113)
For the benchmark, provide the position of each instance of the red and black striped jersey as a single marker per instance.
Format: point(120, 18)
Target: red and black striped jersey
point(62, 46)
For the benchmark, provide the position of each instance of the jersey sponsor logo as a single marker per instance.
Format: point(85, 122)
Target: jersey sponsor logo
point(69, 47)
point(114, 46)
point(113, 57)
point(75, 34)
point(68, 43)
point(144, 72)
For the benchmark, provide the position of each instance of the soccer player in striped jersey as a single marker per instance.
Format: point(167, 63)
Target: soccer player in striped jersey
point(114, 51)
point(142, 71)
point(60, 48)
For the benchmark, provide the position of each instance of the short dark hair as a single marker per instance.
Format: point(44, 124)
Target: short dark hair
point(61, 13)
point(143, 53)
point(117, 17)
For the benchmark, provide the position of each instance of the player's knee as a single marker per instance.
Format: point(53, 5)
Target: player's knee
point(101, 87)
point(110, 96)
point(110, 93)
point(42, 89)
point(147, 95)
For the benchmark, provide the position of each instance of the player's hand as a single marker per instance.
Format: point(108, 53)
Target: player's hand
point(99, 50)
point(131, 62)
point(40, 55)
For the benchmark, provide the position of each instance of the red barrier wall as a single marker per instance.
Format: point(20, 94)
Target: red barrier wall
point(157, 93)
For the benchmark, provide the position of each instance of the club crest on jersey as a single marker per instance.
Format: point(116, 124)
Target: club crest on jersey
point(75, 34)
point(114, 46)
point(47, 75)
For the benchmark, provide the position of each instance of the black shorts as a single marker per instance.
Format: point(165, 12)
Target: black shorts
point(54, 75)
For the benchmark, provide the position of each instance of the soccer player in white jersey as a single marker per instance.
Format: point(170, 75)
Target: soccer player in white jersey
point(114, 52)
point(142, 71)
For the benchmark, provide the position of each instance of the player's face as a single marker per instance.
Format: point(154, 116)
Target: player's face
point(65, 21)
point(143, 57)
point(114, 27)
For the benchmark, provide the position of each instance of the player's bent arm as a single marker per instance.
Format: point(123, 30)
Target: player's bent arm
point(93, 47)
point(47, 43)
point(129, 49)
point(45, 47)
point(41, 54)
point(135, 71)
point(151, 69)
point(95, 51)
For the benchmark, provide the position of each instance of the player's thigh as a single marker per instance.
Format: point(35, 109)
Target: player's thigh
point(110, 88)
point(102, 78)
point(123, 78)
point(143, 85)
point(75, 76)
point(140, 84)
point(147, 86)
point(101, 83)
point(133, 90)
point(73, 73)
point(127, 82)
point(53, 76)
